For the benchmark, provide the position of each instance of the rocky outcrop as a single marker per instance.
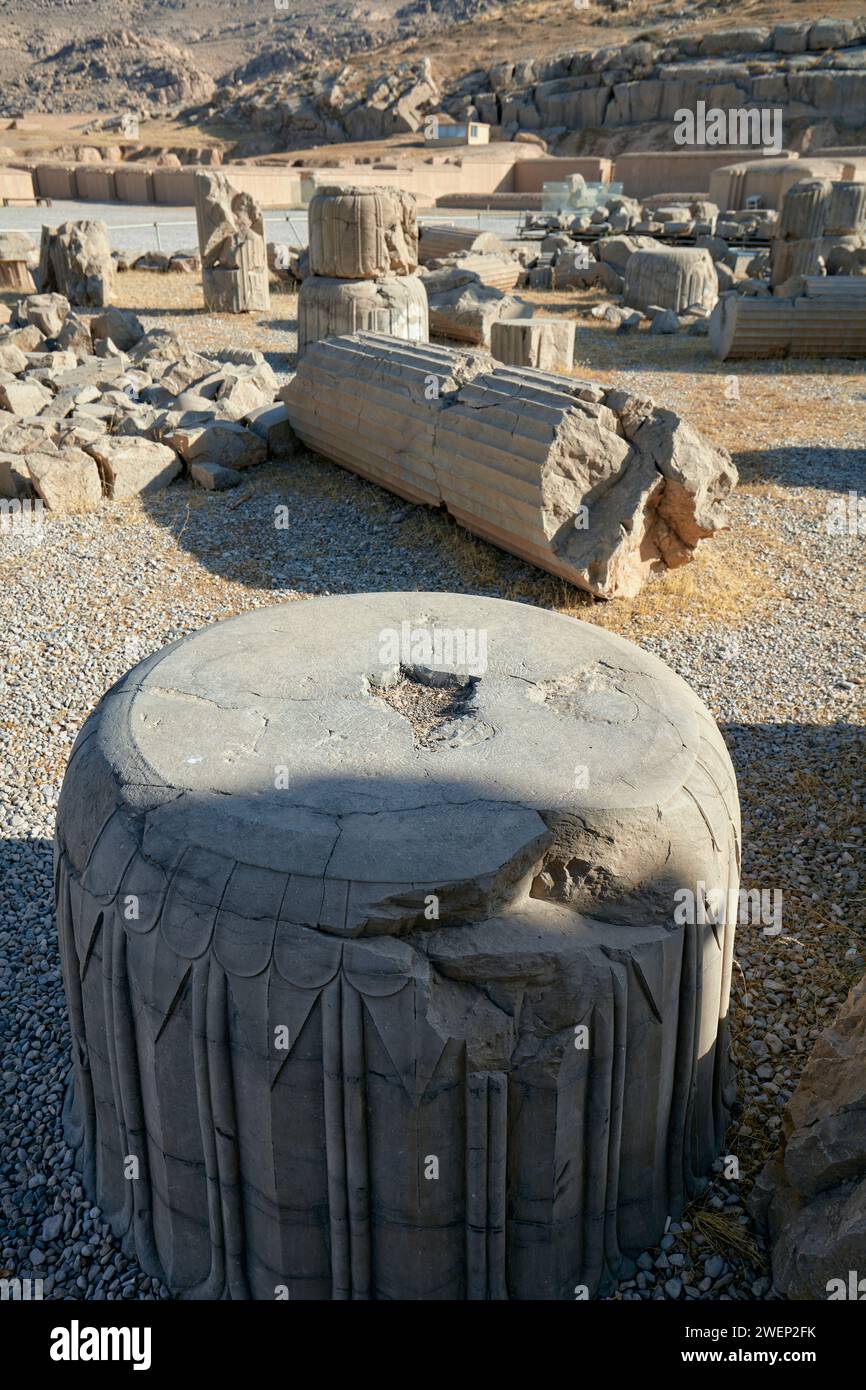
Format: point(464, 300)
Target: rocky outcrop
point(813, 1196)
point(598, 486)
point(814, 72)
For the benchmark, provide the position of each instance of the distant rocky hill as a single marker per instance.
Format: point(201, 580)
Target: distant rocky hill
point(65, 57)
point(814, 72)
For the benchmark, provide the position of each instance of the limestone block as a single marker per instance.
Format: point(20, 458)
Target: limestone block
point(271, 423)
point(499, 272)
point(67, 482)
point(672, 278)
point(131, 466)
point(232, 245)
point(547, 344)
point(617, 251)
point(533, 462)
point(122, 326)
point(437, 242)
point(47, 312)
point(12, 359)
point(75, 261)
point(392, 304)
point(214, 477)
point(362, 233)
point(463, 309)
point(264, 1017)
point(23, 397)
point(218, 441)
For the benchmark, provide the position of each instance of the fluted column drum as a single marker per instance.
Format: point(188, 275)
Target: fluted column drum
point(378, 977)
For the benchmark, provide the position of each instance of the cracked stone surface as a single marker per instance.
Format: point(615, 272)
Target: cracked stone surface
point(600, 487)
point(383, 1016)
point(231, 238)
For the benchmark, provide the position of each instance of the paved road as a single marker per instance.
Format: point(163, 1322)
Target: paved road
point(145, 227)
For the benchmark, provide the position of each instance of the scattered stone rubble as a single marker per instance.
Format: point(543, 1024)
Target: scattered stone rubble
point(231, 234)
point(363, 259)
point(92, 408)
point(598, 486)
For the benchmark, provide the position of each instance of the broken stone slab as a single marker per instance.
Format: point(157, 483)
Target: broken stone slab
point(214, 477)
point(464, 310)
point(132, 466)
point(28, 338)
point(436, 242)
point(51, 361)
point(47, 312)
point(296, 1025)
point(24, 397)
point(392, 304)
point(271, 423)
point(12, 359)
point(547, 344)
point(75, 261)
point(158, 345)
point(14, 477)
point(121, 326)
point(672, 278)
point(75, 337)
point(238, 395)
point(813, 1197)
point(232, 243)
point(617, 251)
point(67, 482)
point(219, 441)
point(500, 272)
point(362, 233)
point(520, 457)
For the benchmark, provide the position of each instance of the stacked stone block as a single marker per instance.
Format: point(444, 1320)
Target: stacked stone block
point(818, 217)
point(363, 263)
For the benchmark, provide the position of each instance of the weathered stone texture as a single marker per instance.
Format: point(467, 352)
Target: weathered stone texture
point(392, 304)
point(75, 260)
point(547, 344)
point(672, 278)
point(265, 1016)
point(361, 233)
point(231, 239)
point(599, 487)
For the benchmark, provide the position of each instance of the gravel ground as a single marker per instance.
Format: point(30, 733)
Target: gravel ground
point(767, 625)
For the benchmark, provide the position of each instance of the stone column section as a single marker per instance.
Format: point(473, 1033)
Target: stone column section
point(363, 259)
point(376, 996)
point(597, 486)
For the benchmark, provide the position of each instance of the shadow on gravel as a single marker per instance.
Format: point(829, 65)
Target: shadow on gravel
point(310, 527)
point(810, 465)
